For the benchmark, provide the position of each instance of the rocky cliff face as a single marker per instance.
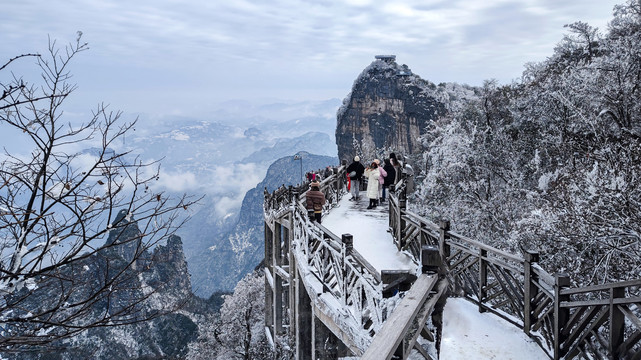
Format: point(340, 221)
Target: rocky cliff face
point(162, 273)
point(243, 248)
point(388, 109)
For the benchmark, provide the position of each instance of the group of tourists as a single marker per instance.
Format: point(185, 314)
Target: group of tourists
point(320, 174)
point(379, 178)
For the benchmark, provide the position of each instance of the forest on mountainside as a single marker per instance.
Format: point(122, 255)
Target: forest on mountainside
point(553, 162)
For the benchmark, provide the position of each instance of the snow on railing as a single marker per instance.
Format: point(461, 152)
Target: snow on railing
point(354, 287)
point(601, 321)
point(338, 280)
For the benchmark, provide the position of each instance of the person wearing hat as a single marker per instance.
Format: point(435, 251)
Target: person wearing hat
point(355, 171)
point(315, 199)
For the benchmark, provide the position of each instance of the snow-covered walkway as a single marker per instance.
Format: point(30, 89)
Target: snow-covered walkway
point(467, 334)
point(369, 228)
point(470, 335)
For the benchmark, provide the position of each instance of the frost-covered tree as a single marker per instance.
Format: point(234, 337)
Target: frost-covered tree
point(239, 331)
point(66, 205)
point(552, 163)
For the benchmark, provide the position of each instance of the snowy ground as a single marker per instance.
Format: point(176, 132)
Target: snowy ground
point(369, 228)
point(467, 334)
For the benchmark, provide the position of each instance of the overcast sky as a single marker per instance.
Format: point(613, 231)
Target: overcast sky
point(182, 57)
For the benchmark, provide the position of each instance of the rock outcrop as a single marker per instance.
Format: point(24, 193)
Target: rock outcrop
point(388, 108)
point(157, 282)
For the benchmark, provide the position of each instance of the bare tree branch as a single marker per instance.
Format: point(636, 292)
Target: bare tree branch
point(78, 219)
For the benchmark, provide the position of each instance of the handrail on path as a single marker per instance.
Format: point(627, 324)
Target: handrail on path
point(595, 322)
point(345, 291)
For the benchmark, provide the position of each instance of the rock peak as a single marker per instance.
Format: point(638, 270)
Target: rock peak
point(388, 108)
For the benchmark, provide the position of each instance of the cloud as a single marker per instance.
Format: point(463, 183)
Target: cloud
point(168, 56)
point(235, 178)
point(177, 181)
point(229, 183)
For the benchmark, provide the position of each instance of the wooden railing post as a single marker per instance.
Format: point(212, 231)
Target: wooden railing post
point(530, 290)
point(391, 219)
point(617, 324)
point(338, 182)
point(482, 278)
point(292, 275)
point(278, 280)
point(561, 315)
point(269, 288)
point(348, 243)
point(444, 248)
point(423, 242)
point(347, 246)
point(400, 222)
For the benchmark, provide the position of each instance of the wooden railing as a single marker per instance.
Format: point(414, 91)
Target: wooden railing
point(599, 320)
point(595, 322)
point(341, 272)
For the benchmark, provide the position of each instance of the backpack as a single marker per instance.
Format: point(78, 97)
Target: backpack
point(318, 206)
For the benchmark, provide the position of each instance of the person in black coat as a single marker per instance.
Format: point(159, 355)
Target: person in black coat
point(390, 178)
point(397, 166)
point(355, 172)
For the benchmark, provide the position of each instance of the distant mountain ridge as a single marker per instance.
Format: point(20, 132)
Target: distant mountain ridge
point(313, 141)
point(225, 156)
point(240, 250)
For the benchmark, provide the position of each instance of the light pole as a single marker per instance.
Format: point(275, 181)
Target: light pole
point(298, 157)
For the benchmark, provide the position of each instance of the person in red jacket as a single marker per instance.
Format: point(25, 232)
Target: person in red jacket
point(315, 199)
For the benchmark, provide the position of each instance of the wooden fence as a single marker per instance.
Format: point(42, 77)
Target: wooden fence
point(307, 252)
point(594, 322)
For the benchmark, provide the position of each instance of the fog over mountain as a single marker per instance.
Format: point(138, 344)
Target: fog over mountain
point(225, 156)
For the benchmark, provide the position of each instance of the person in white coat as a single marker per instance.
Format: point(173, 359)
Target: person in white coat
point(372, 174)
point(381, 179)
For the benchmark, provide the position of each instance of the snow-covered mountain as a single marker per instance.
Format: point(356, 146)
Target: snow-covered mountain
point(159, 284)
point(222, 158)
point(241, 249)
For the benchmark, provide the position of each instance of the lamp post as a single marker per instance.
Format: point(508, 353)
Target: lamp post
point(299, 157)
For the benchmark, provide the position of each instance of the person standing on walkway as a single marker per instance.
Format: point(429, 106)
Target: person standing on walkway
point(390, 178)
point(315, 199)
point(355, 172)
point(373, 174)
point(397, 167)
point(381, 178)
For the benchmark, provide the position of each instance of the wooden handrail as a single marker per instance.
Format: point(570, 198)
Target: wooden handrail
point(601, 287)
point(564, 321)
point(525, 294)
point(397, 325)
